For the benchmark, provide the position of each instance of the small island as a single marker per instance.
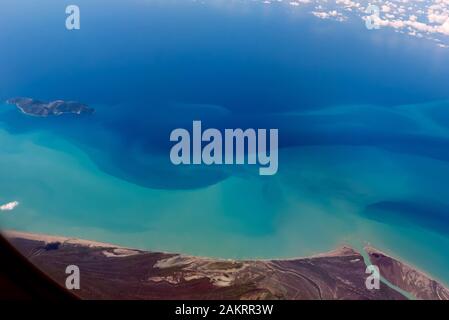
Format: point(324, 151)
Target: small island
point(39, 108)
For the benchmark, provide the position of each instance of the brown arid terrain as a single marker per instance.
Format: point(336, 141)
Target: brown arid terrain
point(407, 278)
point(112, 272)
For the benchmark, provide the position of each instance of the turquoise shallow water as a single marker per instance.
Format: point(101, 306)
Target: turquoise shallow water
point(313, 204)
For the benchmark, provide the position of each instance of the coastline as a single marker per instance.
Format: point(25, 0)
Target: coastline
point(336, 274)
point(408, 278)
point(343, 249)
point(10, 234)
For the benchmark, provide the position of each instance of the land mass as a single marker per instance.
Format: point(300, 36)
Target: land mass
point(38, 108)
point(113, 272)
point(407, 278)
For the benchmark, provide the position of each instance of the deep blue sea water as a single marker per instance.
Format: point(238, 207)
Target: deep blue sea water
point(363, 124)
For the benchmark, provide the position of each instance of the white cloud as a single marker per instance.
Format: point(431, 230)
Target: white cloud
point(419, 18)
point(9, 206)
point(332, 14)
point(386, 8)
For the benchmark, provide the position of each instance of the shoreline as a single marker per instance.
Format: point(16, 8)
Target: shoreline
point(369, 248)
point(332, 271)
point(343, 249)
